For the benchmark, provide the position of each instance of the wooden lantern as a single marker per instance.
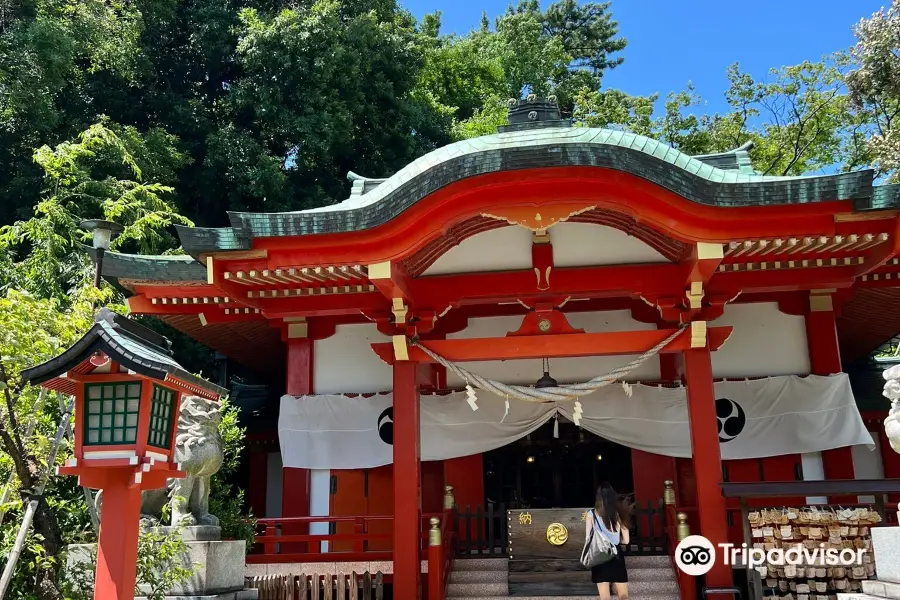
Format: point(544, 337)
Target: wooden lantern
point(128, 391)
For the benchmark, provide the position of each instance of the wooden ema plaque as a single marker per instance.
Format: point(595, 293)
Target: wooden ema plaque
point(545, 553)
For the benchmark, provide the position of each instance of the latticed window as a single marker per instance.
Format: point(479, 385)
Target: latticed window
point(111, 415)
point(161, 409)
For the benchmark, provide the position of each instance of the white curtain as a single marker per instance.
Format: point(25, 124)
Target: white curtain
point(756, 418)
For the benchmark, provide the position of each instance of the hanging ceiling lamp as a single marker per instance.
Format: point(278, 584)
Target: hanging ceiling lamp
point(546, 381)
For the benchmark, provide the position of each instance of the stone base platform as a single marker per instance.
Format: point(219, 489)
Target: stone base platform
point(886, 545)
point(218, 566)
point(241, 595)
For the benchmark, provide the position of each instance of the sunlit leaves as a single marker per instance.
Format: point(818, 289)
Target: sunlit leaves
point(97, 175)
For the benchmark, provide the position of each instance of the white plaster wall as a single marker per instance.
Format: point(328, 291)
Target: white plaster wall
point(867, 464)
point(346, 364)
point(503, 249)
point(764, 342)
point(584, 245)
point(574, 245)
point(565, 370)
point(319, 501)
point(274, 485)
point(813, 470)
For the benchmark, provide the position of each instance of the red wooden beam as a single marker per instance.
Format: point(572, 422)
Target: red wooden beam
point(553, 346)
point(881, 254)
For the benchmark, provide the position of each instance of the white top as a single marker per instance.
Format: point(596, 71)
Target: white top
point(612, 536)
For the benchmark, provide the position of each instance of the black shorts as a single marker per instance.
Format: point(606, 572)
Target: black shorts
point(612, 571)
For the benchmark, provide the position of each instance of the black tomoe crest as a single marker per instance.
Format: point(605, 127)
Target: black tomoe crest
point(731, 419)
point(386, 425)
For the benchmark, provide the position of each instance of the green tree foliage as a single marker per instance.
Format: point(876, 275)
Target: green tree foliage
point(104, 172)
point(97, 175)
point(33, 330)
point(560, 51)
point(874, 83)
point(799, 119)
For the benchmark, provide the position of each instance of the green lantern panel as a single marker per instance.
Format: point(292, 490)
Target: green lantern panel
point(111, 413)
point(162, 409)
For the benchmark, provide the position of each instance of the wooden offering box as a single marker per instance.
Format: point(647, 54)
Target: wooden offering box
point(544, 552)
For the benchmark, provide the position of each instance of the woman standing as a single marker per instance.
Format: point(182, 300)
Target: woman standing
point(610, 518)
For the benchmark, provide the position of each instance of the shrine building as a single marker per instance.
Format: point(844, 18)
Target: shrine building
point(543, 253)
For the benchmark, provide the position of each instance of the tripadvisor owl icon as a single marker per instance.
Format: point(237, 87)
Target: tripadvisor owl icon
point(695, 555)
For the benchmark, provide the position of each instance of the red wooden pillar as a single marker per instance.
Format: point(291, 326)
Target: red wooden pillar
point(825, 359)
point(295, 482)
point(706, 456)
point(407, 483)
point(117, 550)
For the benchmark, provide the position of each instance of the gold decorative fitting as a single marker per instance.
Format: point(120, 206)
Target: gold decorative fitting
point(710, 251)
point(539, 223)
point(698, 334)
point(449, 499)
point(695, 295)
point(669, 492)
point(401, 350)
point(210, 272)
point(399, 309)
point(380, 270)
point(557, 534)
point(434, 535)
point(544, 325)
point(546, 284)
point(683, 530)
point(820, 302)
point(297, 330)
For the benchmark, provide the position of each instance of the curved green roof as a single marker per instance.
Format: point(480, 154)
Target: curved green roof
point(695, 178)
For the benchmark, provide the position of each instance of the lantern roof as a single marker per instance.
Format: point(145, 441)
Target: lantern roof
point(129, 344)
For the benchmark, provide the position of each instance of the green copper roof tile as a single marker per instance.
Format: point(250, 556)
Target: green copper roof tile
point(697, 179)
point(682, 160)
point(705, 171)
point(886, 197)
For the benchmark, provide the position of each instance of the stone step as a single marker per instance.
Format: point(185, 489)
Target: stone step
point(592, 597)
point(580, 584)
point(637, 562)
point(493, 564)
point(481, 564)
point(486, 589)
point(498, 576)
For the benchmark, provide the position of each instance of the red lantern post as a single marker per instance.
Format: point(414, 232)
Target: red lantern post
point(128, 391)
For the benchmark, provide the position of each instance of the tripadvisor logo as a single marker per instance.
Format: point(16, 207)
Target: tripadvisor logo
point(695, 555)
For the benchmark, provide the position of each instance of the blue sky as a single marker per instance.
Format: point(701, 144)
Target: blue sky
point(671, 42)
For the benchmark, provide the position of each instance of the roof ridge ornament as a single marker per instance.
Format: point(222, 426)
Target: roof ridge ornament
point(533, 113)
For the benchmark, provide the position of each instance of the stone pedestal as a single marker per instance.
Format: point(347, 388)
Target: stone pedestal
point(886, 548)
point(218, 566)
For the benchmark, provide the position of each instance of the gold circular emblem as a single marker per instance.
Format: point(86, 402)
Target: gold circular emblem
point(544, 325)
point(557, 534)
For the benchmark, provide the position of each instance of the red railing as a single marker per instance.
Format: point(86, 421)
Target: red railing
point(440, 557)
point(687, 585)
point(371, 540)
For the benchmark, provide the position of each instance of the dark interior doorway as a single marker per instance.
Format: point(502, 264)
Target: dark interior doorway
point(542, 471)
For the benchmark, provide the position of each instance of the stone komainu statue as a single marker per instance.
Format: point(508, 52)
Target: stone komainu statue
point(892, 392)
point(198, 448)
